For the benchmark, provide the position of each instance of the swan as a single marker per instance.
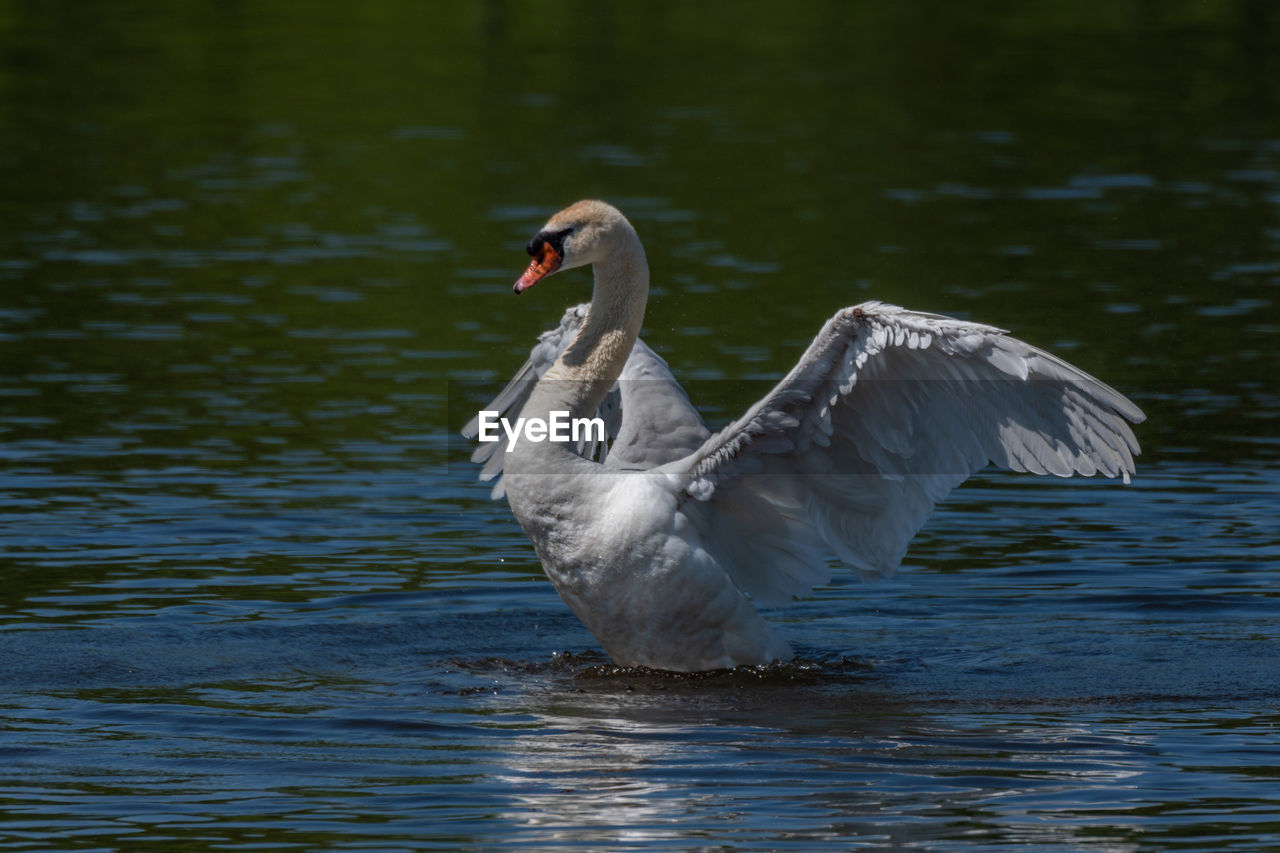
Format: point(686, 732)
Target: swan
point(664, 537)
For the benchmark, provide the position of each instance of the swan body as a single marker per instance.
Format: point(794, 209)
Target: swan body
point(661, 537)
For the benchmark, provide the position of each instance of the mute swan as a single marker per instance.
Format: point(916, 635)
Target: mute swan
point(660, 540)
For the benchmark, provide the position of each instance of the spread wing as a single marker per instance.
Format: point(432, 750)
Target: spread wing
point(887, 412)
point(648, 418)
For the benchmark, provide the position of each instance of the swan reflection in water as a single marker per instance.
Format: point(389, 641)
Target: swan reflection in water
point(647, 759)
point(664, 540)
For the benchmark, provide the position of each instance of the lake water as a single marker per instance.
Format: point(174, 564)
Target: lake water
point(255, 274)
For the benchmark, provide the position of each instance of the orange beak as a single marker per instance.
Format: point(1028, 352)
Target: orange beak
point(544, 263)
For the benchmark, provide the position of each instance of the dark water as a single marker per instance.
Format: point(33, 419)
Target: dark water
point(254, 273)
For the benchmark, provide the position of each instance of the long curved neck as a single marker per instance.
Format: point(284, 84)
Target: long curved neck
point(583, 374)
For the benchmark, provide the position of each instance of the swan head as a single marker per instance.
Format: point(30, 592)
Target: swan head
point(581, 234)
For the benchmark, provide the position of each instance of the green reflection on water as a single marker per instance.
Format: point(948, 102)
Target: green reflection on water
point(236, 198)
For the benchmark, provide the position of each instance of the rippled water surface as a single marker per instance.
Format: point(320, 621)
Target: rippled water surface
point(255, 274)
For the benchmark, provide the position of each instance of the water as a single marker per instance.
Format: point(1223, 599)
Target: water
point(255, 274)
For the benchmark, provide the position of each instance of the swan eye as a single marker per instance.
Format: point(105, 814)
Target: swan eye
point(554, 239)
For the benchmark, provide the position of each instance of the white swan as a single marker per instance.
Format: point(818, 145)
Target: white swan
point(660, 540)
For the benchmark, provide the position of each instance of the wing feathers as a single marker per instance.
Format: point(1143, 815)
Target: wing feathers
point(886, 412)
point(883, 416)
